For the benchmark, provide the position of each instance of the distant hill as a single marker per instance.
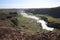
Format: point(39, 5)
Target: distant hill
point(54, 12)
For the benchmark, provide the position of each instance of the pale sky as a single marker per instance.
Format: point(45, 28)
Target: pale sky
point(29, 3)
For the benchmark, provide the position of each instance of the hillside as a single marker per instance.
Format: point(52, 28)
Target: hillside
point(29, 25)
point(10, 34)
point(16, 27)
point(54, 12)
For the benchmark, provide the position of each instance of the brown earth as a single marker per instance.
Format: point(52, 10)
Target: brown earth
point(13, 34)
point(45, 36)
point(6, 23)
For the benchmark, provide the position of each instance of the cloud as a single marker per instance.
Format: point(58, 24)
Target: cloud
point(32, 4)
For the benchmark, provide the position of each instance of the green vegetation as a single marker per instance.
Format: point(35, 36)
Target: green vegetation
point(50, 19)
point(31, 26)
point(28, 25)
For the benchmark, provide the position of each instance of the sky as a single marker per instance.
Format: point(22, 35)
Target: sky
point(29, 3)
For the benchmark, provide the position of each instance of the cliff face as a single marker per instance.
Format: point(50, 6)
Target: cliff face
point(54, 12)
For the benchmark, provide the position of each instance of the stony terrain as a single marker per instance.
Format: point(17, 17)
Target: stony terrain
point(13, 34)
point(9, 32)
